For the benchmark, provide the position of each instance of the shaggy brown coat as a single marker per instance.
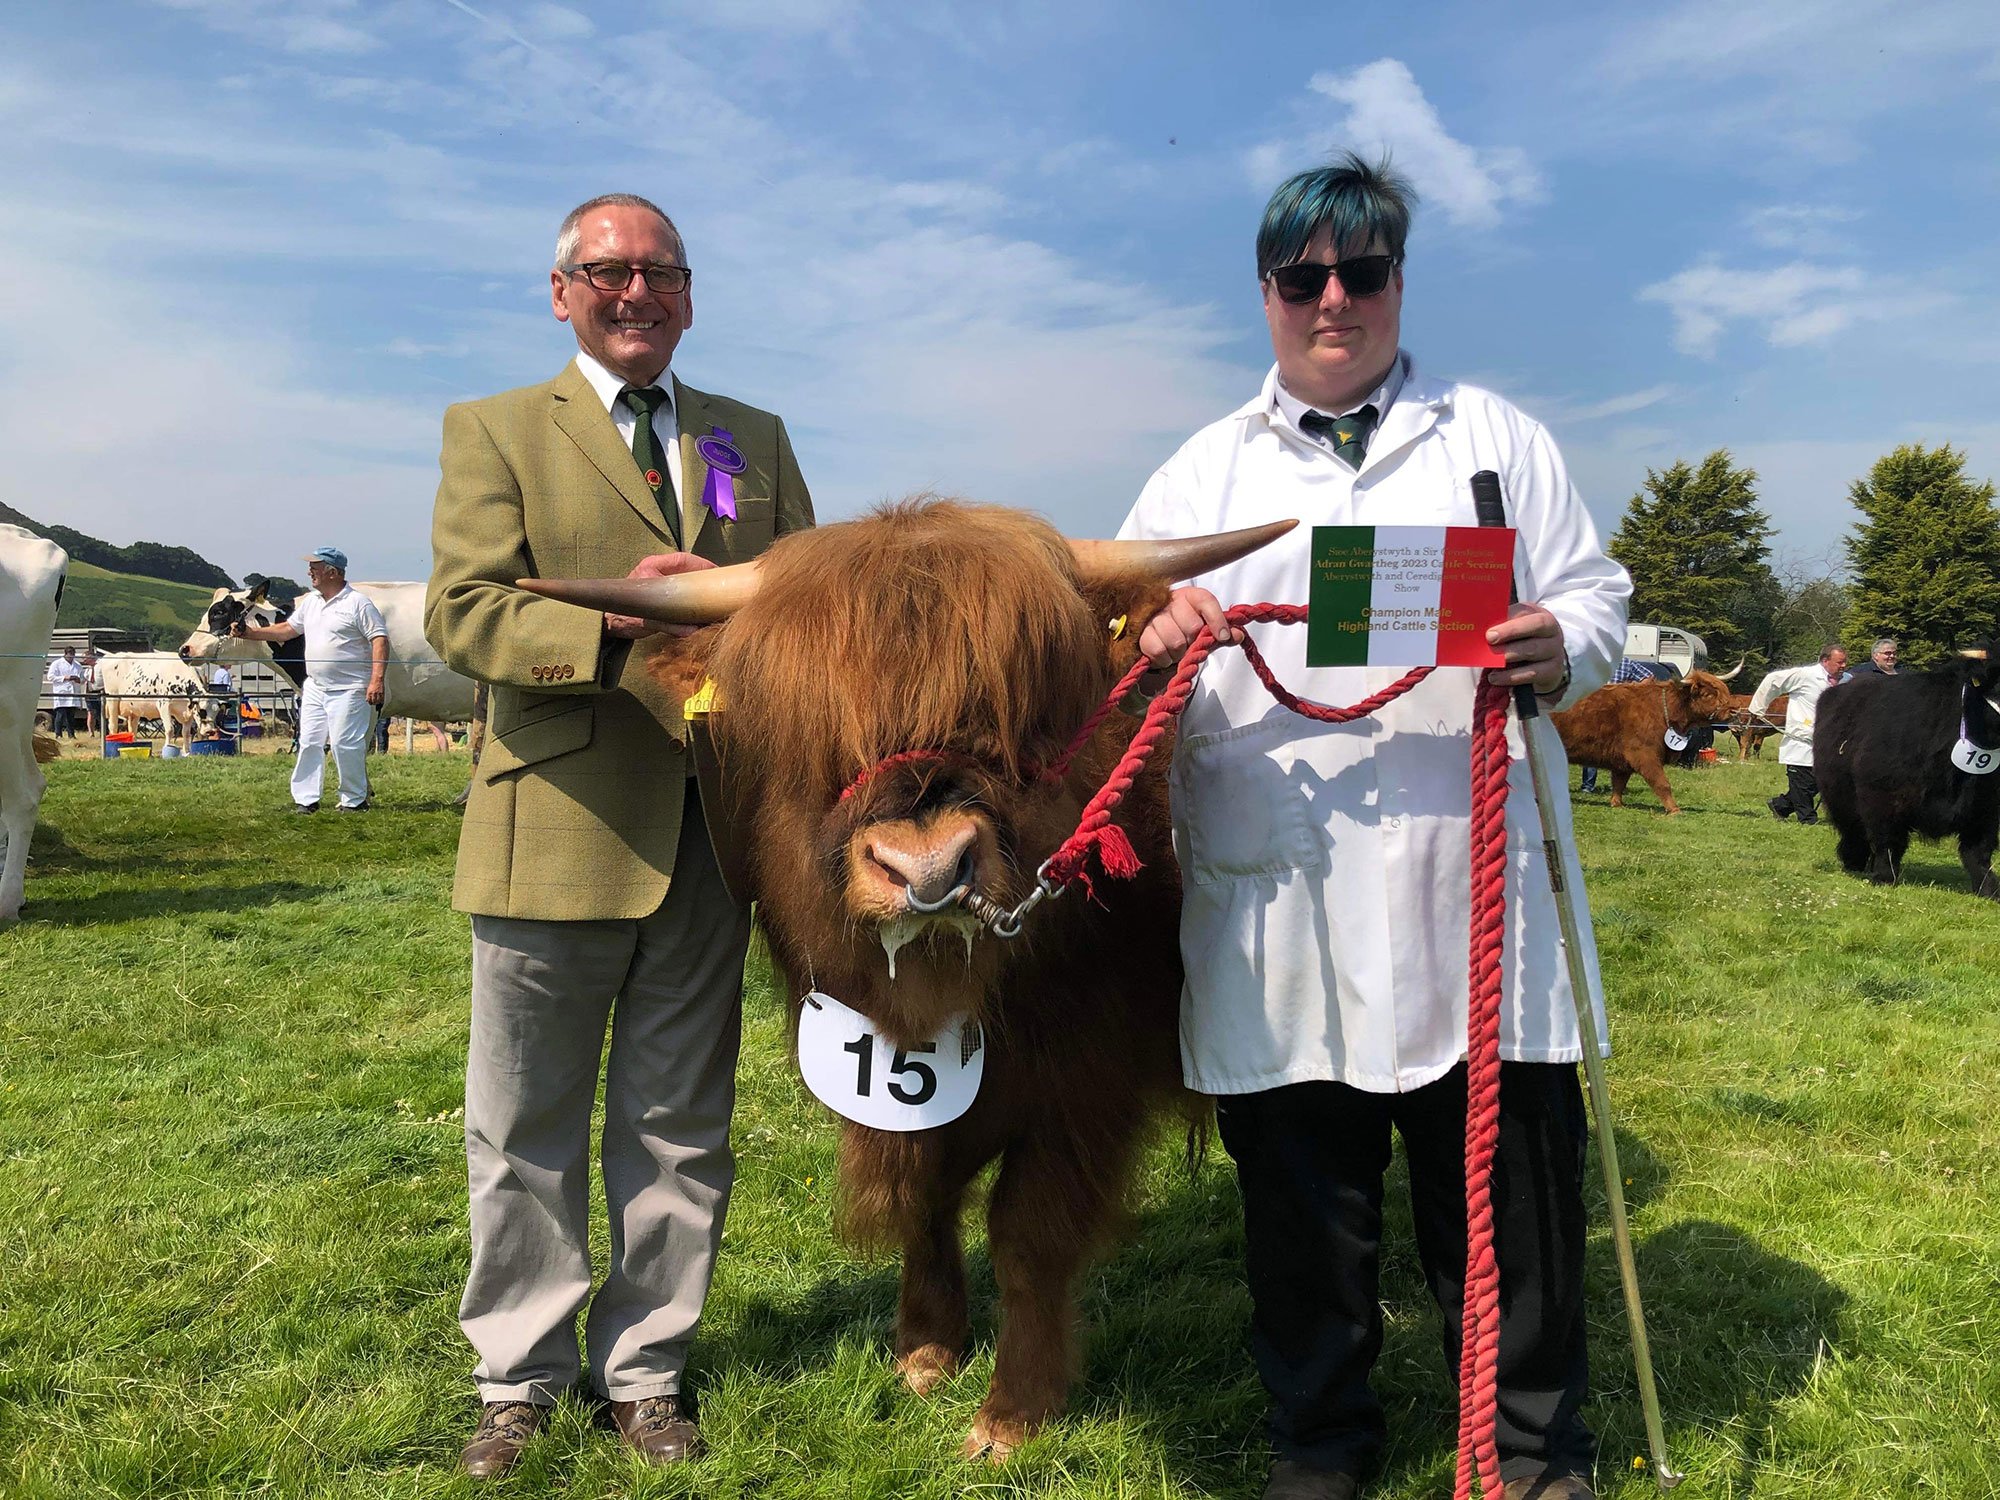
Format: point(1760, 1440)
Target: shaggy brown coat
point(961, 629)
point(1623, 728)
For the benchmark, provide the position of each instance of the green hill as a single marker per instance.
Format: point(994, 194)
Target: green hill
point(147, 606)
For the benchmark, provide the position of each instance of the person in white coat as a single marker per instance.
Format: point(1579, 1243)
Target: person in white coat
point(1802, 687)
point(67, 677)
point(1326, 867)
point(347, 652)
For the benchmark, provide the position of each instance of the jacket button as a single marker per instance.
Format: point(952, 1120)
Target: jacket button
point(568, 672)
point(536, 673)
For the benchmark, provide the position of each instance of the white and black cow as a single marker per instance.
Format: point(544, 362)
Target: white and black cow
point(153, 684)
point(31, 579)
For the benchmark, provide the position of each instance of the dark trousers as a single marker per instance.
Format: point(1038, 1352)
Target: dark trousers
point(67, 721)
point(1801, 795)
point(1310, 1158)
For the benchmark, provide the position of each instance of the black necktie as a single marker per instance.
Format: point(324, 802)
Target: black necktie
point(1348, 435)
point(646, 451)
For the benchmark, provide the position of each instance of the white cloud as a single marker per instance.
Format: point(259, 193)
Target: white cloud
point(1568, 413)
point(300, 27)
point(1799, 303)
point(1387, 111)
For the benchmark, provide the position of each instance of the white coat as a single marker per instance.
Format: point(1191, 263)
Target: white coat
point(1326, 868)
point(1803, 685)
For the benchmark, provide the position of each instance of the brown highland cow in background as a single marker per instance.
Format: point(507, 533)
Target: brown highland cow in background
point(981, 639)
point(1623, 728)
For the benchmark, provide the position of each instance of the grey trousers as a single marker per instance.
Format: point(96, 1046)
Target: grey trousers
point(671, 986)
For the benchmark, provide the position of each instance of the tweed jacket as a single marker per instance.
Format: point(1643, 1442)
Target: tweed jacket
point(575, 809)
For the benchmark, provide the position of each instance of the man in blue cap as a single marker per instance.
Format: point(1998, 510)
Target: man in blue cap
point(347, 649)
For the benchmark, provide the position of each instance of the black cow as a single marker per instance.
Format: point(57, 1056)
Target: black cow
point(1882, 751)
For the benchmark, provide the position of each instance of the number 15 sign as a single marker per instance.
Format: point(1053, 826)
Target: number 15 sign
point(857, 1072)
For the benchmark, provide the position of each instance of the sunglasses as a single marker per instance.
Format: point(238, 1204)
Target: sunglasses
point(1305, 281)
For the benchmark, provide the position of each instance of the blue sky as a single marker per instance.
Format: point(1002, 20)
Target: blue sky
point(252, 249)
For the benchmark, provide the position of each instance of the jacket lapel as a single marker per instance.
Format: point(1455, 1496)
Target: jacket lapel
point(691, 410)
point(584, 420)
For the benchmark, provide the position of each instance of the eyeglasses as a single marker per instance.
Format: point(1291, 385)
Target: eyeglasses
point(1305, 281)
point(610, 276)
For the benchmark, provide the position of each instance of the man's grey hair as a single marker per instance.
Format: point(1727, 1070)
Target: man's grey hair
point(571, 233)
point(1887, 640)
point(1829, 648)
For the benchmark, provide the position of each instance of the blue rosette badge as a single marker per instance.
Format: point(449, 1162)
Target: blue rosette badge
point(718, 450)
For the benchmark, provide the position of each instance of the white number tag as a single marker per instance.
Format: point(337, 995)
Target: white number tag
point(1675, 739)
point(857, 1072)
point(1974, 761)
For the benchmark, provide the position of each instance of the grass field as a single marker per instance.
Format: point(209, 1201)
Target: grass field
point(232, 1195)
point(166, 610)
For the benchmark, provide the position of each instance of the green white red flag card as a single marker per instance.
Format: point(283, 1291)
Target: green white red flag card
point(1407, 596)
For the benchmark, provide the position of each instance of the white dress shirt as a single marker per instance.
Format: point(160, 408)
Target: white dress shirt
point(337, 631)
point(666, 420)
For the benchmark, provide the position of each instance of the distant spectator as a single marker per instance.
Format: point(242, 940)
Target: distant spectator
point(1628, 671)
point(67, 677)
point(93, 691)
point(1881, 660)
point(1800, 798)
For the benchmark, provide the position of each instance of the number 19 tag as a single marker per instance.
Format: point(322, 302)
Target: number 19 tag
point(856, 1072)
point(1974, 761)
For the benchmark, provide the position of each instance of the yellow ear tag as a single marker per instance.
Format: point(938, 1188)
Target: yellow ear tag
point(1118, 628)
point(701, 701)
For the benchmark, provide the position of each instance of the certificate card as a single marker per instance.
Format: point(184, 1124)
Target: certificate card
point(1407, 596)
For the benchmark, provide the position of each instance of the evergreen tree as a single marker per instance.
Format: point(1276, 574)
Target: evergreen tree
point(1925, 555)
point(1694, 541)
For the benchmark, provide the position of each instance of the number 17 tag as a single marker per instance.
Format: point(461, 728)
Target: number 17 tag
point(859, 1073)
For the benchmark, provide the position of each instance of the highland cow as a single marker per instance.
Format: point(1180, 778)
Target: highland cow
point(893, 699)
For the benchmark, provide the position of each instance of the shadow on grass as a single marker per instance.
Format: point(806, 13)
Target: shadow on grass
point(1736, 1330)
point(128, 905)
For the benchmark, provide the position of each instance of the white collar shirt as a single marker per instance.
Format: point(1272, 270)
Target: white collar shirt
point(666, 420)
point(337, 632)
point(1294, 411)
point(1325, 868)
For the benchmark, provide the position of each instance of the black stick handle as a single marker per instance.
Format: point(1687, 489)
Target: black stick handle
point(1491, 509)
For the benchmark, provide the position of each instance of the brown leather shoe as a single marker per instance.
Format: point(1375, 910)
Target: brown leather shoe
point(1561, 1487)
point(661, 1428)
point(504, 1430)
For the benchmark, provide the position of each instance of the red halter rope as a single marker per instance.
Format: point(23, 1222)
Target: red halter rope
point(1479, 1338)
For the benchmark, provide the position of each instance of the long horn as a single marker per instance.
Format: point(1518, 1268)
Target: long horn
point(703, 597)
point(1171, 561)
point(1724, 677)
point(1973, 653)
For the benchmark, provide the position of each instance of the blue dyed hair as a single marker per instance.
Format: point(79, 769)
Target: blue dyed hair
point(1358, 203)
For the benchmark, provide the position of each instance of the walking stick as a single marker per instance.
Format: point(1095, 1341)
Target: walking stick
point(1491, 510)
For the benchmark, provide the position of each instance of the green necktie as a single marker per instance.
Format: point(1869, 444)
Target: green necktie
point(646, 452)
point(1348, 436)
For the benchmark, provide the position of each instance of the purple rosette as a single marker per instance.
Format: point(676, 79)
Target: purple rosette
point(718, 451)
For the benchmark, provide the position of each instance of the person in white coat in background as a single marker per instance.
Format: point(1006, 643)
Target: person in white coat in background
point(347, 653)
point(1801, 687)
point(1326, 868)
